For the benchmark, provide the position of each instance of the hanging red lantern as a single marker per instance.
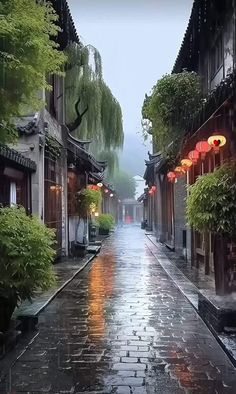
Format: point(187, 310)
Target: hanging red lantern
point(171, 176)
point(216, 142)
point(154, 189)
point(179, 171)
point(150, 192)
point(186, 164)
point(193, 156)
point(203, 147)
point(93, 187)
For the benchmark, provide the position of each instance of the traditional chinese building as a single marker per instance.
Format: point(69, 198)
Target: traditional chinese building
point(83, 171)
point(48, 166)
point(209, 49)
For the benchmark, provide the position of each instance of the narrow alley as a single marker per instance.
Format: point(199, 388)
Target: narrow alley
point(122, 326)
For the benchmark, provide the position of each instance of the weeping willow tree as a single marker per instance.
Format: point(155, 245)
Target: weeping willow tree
point(92, 112)
point(112, 160)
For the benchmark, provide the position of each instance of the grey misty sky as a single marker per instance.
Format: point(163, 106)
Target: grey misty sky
point(138, 40)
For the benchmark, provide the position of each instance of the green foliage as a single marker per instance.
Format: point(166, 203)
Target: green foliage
point(53, 146)
point(173, 99)
point(105, 221)
point(211, 204)
point(124, 184)
point(103, 121)
point(27, 53)
point(26, 254)
point(88, 199)
point(112, 160)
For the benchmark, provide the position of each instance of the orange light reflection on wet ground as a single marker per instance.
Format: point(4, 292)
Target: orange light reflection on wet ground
point(100, 287)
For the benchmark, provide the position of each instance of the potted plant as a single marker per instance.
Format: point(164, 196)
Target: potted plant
point(26, 256)
point(88, 201)
point(105, 223)
point(211, 207)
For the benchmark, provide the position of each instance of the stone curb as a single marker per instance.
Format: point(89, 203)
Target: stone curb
point(57, 291)
point(66, 283)
point(227, 350)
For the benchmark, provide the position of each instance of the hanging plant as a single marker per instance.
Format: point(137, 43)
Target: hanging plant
point(88, 201)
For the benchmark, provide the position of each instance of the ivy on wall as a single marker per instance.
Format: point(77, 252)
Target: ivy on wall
point(53, 147)
point(173, 99)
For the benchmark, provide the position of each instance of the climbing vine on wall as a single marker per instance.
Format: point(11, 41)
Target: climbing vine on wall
point(173, 99)
point(52, 146)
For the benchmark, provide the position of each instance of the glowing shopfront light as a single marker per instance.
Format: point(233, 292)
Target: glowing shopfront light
point(56, 188)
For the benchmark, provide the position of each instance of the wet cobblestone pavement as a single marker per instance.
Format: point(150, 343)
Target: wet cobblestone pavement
point(122, 326)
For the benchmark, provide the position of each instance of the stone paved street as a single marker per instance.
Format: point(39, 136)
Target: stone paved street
point(122, 326)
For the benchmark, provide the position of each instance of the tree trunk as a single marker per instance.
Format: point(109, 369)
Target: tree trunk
point(207, 254)
point(220, 264)
point(7, 307)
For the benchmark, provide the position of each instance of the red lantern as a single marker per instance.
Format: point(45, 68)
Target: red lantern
point(150, 192)
point(203, 147)
point(194, 156)
point(186, 164)
point(93, 187)
point(179, 171)
point(171, 176)
point(178, 174)
point(217, 141)
point(154, 189)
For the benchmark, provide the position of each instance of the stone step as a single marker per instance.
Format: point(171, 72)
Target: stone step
point(93, 249)
point(95, 243)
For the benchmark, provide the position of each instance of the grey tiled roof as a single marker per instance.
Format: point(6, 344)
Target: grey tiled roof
point(17, 158)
